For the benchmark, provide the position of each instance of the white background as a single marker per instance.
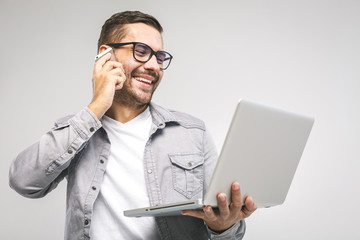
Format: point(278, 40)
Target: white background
point(298, 55)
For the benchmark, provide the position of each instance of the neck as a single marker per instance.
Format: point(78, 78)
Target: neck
point(125, 113)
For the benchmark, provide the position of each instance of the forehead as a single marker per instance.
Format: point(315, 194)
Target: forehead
point(140, 32)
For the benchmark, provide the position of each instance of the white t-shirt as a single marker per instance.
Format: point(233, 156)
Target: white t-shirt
point(124, 184)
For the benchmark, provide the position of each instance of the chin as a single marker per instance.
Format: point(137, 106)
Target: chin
point(127, 98)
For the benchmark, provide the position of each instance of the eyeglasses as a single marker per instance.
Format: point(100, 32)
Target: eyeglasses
point(143, 53)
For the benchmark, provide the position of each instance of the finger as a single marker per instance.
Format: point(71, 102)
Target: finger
point(110, 65)
point(100, 63)
point(249, 207)
point(194, 213)
point(236, 199)
point(118, 65)
point(119, 71)
point(119, 83)
point(223, 204)
point(121, 78)
point(105, 63)
point(209, 213)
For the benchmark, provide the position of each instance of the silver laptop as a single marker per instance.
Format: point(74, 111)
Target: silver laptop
point(261, 151)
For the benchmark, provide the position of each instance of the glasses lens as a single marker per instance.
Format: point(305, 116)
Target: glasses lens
point(163, 59)
point(142, 52)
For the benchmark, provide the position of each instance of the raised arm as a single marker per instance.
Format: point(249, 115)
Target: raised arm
point(39, 168)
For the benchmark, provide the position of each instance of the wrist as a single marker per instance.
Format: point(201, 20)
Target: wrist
point(97, 109)
point(219, 231)
point(238, 229)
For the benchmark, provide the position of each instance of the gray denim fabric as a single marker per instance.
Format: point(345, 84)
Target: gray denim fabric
point(179, 159)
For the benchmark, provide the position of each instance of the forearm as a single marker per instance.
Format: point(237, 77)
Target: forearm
point(39, 168)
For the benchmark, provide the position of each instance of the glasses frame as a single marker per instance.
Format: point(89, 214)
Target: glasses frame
point(118, 45)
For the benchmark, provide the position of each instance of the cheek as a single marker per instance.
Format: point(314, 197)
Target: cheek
point(161, 73)
point(160, 78)
point(130, 69)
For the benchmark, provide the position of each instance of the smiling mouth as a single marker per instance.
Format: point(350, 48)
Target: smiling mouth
point(140, 79)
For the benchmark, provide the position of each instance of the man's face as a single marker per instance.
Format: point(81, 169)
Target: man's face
point(137, 90)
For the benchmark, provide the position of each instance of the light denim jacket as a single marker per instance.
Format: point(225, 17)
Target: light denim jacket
point(179, 159)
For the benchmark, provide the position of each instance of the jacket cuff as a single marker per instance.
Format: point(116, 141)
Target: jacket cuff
point(82, 126)
point(237, 231)
point(85, 123)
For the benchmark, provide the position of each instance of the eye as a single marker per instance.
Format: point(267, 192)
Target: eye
point(141, 50)
point(161, 57)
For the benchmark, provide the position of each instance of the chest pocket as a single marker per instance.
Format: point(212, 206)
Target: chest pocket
point(187, 173)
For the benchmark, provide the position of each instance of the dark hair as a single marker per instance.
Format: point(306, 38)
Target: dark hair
point(114, 28)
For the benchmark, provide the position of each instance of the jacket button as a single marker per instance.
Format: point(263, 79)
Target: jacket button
point(92, 129)
point(86, 222)
point(101, 161)
point(93, 188)
point(70, 151)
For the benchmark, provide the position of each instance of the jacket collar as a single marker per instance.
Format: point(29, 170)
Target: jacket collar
point(161, 115)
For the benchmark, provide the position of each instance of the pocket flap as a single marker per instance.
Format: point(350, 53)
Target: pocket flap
point(187, 160)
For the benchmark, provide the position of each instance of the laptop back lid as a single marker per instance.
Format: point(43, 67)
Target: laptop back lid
point(261, 151)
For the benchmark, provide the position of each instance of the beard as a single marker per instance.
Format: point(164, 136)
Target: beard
point(131, 96)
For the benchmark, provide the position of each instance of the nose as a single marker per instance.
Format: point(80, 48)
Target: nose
point(152, 64)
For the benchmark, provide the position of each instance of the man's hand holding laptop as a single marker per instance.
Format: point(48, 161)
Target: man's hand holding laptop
point(225, 216)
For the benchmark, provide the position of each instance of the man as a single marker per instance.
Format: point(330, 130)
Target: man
point(122, 151)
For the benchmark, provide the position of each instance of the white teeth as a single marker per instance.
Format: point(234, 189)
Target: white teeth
point(143, 80)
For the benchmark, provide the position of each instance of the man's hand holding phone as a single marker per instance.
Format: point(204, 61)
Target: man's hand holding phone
point(108, 76)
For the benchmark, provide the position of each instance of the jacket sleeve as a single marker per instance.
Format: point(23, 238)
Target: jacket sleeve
point(39, 168)
point(237, 231)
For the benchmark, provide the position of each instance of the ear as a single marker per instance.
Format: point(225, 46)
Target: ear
point(103, 48)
